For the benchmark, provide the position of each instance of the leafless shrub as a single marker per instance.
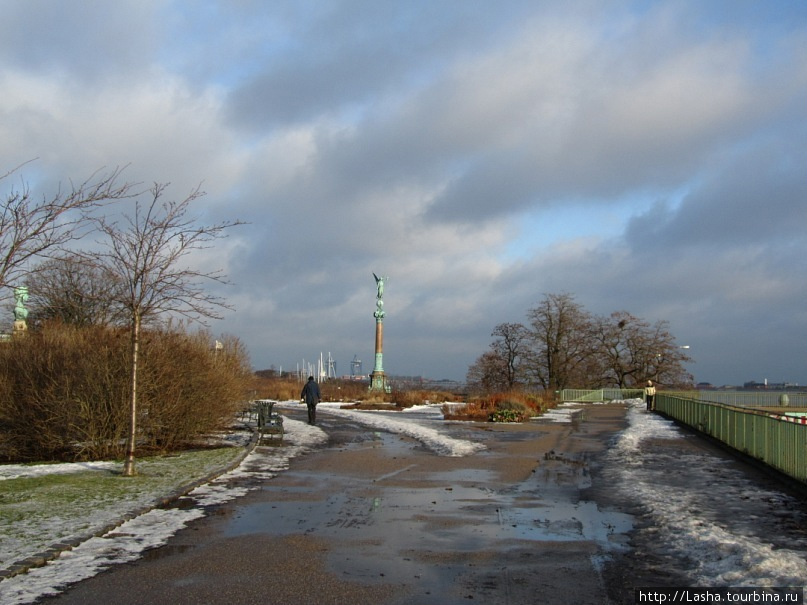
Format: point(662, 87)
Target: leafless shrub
point(64, 391)
point(473, 411)
point(481, 407)
point(409, 398)
point(288, 388)
point(188, 388)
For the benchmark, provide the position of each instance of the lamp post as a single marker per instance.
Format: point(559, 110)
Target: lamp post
point(659, 359)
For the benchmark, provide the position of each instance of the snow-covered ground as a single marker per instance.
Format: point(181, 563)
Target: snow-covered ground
point(705, 511)
point(15, 471)
point(683, 518)
point(419, 422)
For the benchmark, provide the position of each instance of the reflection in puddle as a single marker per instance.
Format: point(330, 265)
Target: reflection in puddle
point(426, 525)
point(467, 516)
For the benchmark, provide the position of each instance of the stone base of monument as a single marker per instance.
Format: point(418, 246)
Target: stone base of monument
point(378, 382)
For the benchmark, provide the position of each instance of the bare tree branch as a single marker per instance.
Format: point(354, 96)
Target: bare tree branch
point(144, 255)
point(31, 228)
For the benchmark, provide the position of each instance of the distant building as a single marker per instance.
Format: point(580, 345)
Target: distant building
point(774, 386)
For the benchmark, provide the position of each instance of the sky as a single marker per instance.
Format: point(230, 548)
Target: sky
point(646, 157)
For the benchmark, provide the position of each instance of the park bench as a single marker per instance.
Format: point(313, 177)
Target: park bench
point(269, 422)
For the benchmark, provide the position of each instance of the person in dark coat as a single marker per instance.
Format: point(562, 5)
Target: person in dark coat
point(311, 397)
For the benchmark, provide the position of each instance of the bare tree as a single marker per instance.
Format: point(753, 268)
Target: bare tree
point(488, 373)
point(144, 256)
point(511, 345)
point(633, 351)
point(661, 359)
point(566, 346)
point(618, 337)
point(72, 291)
point(32, 228)
point(499, 369)
point(561, 339)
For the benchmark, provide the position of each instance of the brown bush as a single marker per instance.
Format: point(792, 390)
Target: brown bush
point(472, 411)
point(345, 390)
point(408, 398)
point(482, 407)
point(65, 391)
point(187, 390)
point(288, 388)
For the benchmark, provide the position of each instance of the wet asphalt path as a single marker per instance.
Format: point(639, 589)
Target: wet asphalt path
point(546, 514)
point(377, 518)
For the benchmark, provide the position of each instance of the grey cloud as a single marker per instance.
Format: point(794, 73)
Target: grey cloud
point(755, 198)
point(343, 57)
point(84, 40)
point(630, 124)
point(414, 138)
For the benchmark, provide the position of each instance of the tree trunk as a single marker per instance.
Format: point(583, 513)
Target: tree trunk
point(129, 464)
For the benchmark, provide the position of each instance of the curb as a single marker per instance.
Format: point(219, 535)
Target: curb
point(54, 551)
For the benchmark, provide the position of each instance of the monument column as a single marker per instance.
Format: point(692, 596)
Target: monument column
point(378, 380)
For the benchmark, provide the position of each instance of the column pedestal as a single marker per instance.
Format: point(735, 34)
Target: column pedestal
point(378, 380)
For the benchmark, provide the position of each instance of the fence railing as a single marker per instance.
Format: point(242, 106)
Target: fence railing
point(588, 395)
point(777, 440)
point(762, 425)
point(747, 399)
point(742, 399)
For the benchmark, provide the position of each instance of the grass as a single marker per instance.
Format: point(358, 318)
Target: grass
point(41, 511)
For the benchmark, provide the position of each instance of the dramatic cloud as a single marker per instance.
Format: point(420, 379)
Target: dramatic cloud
point(646, 157)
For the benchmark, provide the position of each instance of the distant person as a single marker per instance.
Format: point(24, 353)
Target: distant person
point(650, 395)
point(311, 397)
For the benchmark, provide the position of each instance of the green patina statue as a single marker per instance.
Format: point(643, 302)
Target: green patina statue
point(379, 303)
point(20, 312)
point(379, 282)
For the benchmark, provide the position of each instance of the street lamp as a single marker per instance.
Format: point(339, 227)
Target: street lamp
point(660, 356)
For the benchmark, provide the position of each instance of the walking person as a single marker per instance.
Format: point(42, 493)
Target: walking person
point(650, 396)
point(311, 396)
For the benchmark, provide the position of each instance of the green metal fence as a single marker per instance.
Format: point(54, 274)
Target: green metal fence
point(744, 399)
point(764, 426)
point(589, 395)
point(748, 399)
point(777, 440)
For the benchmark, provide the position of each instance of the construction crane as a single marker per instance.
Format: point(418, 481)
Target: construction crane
point(355, 366)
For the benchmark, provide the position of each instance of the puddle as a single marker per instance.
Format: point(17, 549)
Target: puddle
point(563, 522)
point(468, 475)
point(428, 529)
point(166, 550)
point(467, 516)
